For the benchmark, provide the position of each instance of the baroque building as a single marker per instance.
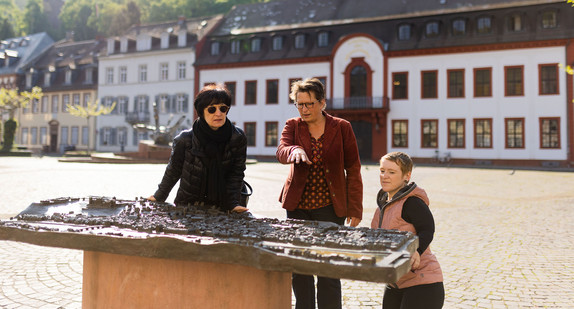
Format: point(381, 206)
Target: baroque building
point(477, 82)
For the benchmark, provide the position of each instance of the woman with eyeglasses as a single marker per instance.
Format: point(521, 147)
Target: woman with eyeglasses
point(208, 159)
point(324, 183)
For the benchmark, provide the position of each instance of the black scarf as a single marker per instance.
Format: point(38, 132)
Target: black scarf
point(213, 186)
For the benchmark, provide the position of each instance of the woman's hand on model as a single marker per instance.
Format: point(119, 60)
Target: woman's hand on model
point(298, 155)
point(415, 261)
point(353, 221)
point(152, 198)
point(239, 209)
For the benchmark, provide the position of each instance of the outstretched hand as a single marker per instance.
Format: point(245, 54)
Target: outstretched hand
point(152, 198)
point(298, 155)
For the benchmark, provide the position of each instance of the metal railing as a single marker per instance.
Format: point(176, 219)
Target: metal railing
point(138, 117)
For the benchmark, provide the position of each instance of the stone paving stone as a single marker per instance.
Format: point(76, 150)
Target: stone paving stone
point(502, 240)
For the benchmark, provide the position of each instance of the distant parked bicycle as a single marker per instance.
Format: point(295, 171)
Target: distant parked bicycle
point(446, 159)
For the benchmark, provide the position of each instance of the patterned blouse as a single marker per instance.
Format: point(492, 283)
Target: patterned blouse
point(316, 193)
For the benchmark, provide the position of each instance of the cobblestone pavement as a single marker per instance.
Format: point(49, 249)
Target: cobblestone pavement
point(505, 239)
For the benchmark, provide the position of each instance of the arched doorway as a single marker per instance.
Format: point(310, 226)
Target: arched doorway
point(358, 95)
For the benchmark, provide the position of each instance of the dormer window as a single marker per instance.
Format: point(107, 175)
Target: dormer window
point(164, 40)
point(515, 23)
point(323, 39)
point(28, 80)
point(47, 79)
point(404, 32)
point(549, 20)
point(215, 48)
point(89, 76)
point(255, 45)
point(68, 78)
point(277, 42)
point(432, 29)
point(299, 41)
point(182, 38)
point(459, 27)
point(124, 45)
point(484, 25)
point(235, 46)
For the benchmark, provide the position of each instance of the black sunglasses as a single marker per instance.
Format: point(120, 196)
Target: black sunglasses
point(222, 108)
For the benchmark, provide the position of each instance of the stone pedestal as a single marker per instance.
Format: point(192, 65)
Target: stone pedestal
point(123, 281)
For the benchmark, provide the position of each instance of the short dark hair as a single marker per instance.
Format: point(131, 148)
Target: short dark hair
point(308, 85)
point(209, 95)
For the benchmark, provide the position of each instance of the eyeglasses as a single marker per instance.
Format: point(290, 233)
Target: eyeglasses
point(222, 108)
point(307, 105)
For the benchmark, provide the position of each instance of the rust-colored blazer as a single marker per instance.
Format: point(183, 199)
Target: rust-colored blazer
point(340, 159)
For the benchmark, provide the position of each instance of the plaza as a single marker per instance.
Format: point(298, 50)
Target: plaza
point(503, 237)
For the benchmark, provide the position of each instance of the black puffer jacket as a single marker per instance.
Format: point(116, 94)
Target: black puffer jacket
point(185, 164)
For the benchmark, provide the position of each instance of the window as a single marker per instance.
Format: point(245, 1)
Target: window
point(323, 39)
point(215, 48)
point(455, 83)
point(515, 23)
point(25, 136)
point(163, 71)
point(35, 106)
point(514, 132)
point(404, 32)
point(249, 128)
point(122, 105)
point(432, 29)
point(482, 133)
point(47, 79)
point(429, 84)
point(549, 132)
point(87, 99)
point(55, 103)
point(123, 78)
point(549, 20)
point(107, 102)
point(33, 136)
point(400, 133)
point(255, 45)
point(459, 27)
point(181, 103)
point(43, 136)
point(299, 41)
point(272, 91)
point(456, 133)
point(65, 102)
point(68, 77)
point(85, 135)
point(163, 104)
point(181, 72)
point(277, 42)
point(251, 92)
point(122, 136)
point(76, 99)
point(484, 25)
point(142, 73)
point(235, 46)
point(429, 133)
point(513, 77)
point(45, 104)
point(89, 76)
point(64, 136)
point(231, 86)
point(483, 82)
point(109, 75)
point(400, 85)
point(75, 138)
point(548, 74)
point(271, 134)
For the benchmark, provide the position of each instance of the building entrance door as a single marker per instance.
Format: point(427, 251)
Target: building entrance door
point(54, 126)
point(364, 135)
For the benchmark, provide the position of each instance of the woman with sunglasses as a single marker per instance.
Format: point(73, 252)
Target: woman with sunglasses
point(208, 159)
point(325, 179)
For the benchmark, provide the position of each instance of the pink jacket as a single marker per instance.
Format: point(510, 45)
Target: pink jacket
point(340, 159)
point(429, 270)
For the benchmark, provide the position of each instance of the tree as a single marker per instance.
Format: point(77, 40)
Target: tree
point(10, 101)
point(93, 109)
point(6, 29)
point(34, 18)
point(74, 15)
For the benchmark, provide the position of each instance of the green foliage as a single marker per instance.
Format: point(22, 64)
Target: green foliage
point(6, 29)
point(9, 131)
point(34, 19)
